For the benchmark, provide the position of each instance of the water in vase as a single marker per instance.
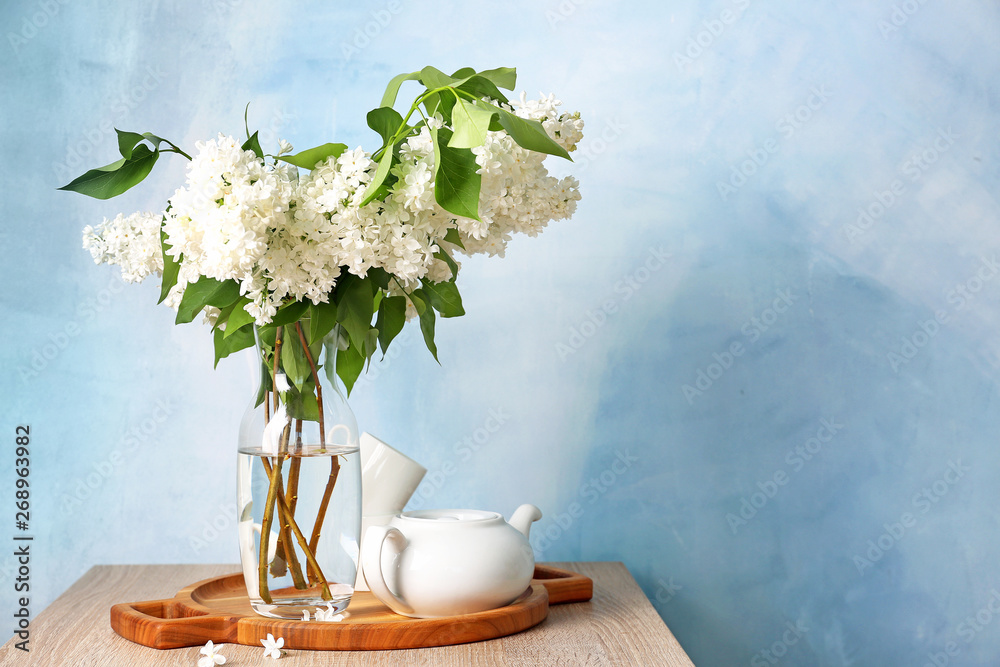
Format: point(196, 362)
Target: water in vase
point(312, 519)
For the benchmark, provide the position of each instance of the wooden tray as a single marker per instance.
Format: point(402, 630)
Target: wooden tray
point(218, 609)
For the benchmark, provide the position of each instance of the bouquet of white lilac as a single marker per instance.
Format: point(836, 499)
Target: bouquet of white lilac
point(318, 270)
point(250, 241)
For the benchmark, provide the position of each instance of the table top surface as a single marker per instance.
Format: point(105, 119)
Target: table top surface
point(617, 627)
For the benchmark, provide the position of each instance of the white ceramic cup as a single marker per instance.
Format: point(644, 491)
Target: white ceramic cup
point(388, 477)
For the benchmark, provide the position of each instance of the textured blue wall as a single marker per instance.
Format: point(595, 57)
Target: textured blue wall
point(759, 366)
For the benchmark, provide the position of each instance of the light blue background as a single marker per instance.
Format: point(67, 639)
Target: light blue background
point(581, 341)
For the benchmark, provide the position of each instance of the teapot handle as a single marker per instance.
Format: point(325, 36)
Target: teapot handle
point(371, 555)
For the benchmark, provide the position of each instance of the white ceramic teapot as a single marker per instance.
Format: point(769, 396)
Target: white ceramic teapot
point(433, 563)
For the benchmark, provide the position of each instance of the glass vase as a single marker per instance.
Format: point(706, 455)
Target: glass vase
point(298, 479)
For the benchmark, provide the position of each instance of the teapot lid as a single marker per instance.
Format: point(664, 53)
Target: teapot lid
point(451, 516)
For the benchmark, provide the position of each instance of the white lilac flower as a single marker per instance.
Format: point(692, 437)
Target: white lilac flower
point(211, 657)
point(272, 648)
point(517, 194)
point(329, 614)
point(565, 129)
point(130, 242)
point(355, 167)
point(222, 221)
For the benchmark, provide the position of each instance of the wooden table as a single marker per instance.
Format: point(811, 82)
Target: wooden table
point(618, 627)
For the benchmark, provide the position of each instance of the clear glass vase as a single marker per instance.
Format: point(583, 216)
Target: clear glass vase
point(299, 479)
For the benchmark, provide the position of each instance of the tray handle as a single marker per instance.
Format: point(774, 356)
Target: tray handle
point(170, 624)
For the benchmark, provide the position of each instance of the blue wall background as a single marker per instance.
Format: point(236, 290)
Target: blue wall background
point(759, 365)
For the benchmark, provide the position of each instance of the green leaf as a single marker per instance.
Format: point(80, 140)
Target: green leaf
point(206, 292)
point(389, 97)
point(253, 144)
point(530, 134)
point(426, 320)
point(471, 124)
point(171, 267)
point(384, 165)
point(440, 104)
point(265, 383)
point(322, 319)
point(239, 318)
point(447, 259)
point(452, 236)
point(268, 336)
point(302, 403)
point(289, 313)
point(371, 343)
point(379, 277)
point(223, 316)
point(503, 77)
point(114, 179)
point(311, 157)
point(485, 82)
point(456, 183)
point(432, 77)
point(350, 363)
point(226, 346)
point(386, 121)
point(482, 87)
point(293, 358)
point(444, 297)
point(391, 318)
point(127, 141)
point(355, 308)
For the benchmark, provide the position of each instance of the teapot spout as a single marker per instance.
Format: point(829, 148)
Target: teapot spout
point(523, 517)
